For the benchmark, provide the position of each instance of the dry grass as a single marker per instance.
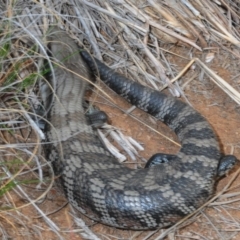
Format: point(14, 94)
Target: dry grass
point(142, 40)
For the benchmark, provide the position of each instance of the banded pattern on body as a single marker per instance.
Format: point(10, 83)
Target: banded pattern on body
point(94, 182)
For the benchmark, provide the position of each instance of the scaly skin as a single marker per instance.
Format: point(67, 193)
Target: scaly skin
point(94, 182)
